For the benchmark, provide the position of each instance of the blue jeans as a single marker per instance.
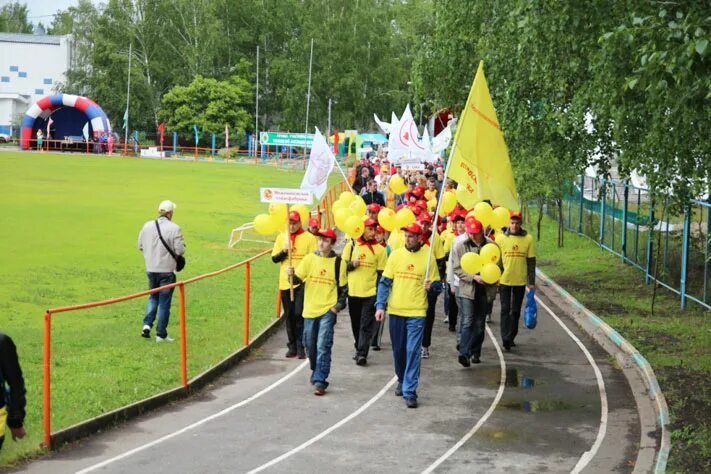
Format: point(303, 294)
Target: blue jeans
point(159, 302)
point(318, 342)
point(472, 317)
point(406, 335)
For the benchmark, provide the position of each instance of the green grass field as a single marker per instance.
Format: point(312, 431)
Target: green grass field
point(69, 230)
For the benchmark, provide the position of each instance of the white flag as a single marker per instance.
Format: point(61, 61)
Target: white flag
point(400, 136)
point(384, 126)
point(321, 163)
point(420, 148)
point(441, 141)
point(85, 131)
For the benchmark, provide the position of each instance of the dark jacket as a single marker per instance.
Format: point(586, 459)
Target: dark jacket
point(11, 375)
point(376, 197)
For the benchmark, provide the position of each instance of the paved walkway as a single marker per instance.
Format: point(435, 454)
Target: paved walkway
point(553, 404)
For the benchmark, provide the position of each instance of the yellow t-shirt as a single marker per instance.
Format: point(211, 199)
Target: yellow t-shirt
point(447, 240)
point(514, 251)
point(407, 270)
point(319, 275)
point(429, 195)
point(361, 281)
point(438, 250)
point(304, 244)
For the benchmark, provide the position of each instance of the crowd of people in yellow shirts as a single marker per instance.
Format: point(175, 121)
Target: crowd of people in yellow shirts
point(401, 274)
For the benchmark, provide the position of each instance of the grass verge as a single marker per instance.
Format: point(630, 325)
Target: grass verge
point(675, 342)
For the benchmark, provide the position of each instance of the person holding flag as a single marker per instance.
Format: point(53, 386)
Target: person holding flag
point(298, 243)
point(402, 290)
point(365, 261)
point(325, 279)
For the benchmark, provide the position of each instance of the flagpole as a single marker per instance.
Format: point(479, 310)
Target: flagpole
point(343, 174)
point(128, 98)
point(308, 94)
point(256, 110)
point(439, 204)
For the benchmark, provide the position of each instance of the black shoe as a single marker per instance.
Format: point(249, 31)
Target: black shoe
point(398, 390)
point(411, 402)
point(513, 344)
point(375, 348)
point(476, 360)
point(361, 361)
point(464, 360)
point(146, 333)
point(452, 328)
point(301, 354)
point(319, 389)
point(507, 346)
point(290, 354)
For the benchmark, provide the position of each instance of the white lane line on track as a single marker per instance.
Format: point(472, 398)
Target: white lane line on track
point(328, 431)
point(482, 420)
point(587, 455)
point(197, 423)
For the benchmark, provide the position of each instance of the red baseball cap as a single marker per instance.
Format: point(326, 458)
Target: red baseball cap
point(313, 222)
point(424, 217)
point(515, 215)
point(374, 207)
point(457, 216)
point(294, 216)
point(415, 209)
point(419, 191)
point(380, 229)
point(421, 203)
point(473, 226)
point(327, 233)
point(413, 228)
point(369, 222)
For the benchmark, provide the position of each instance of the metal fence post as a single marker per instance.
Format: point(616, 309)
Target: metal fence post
point(247, 285)
point(47, 382)
point(624, 220)
point(183, 341)
point(602, 212)
point(648, 269)
point(706, 252)
point(685, 255)
point(175, 142)
point(582, 195)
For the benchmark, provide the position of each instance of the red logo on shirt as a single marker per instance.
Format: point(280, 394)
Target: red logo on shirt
point(515, 248)
point(410, 268)
point(361, 256)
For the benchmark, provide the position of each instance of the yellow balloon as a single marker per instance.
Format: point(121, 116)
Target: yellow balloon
point(264, 224)
point(449, 200)
point(484, 213)
point(397, 184)
point(278, 210)
point(404, 217)
point(346, 197)
point(386, 219)
point(490, 253)
point(337, 205)
point(490, 273)
point(358, 205)
point(432, 204)
point(341, 216)
point(303, 211)
point(471, 263)
point(354, 227)
point(500, 218)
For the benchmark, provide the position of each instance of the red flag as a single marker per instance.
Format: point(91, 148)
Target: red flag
point(161, 130)
point(335, 142)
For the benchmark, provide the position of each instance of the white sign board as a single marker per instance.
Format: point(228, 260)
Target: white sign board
point(152, 152)
point(286, 195)
point(412, 166)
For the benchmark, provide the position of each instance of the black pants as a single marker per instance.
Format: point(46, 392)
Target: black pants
point(511, 302)
point(362, 312)
point(453, 309)
point(432, 296)
point(473, 322)
point(378, 330)
point(293, 312)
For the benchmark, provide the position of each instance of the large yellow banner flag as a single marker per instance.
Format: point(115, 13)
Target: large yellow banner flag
point(480, 159)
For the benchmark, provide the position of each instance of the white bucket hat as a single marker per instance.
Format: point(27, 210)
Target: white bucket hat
point(167, 206)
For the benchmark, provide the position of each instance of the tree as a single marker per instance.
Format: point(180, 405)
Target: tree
point(210, 104)
point(13, 18)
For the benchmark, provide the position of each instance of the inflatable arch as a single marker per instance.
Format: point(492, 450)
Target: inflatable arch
point(70, 114)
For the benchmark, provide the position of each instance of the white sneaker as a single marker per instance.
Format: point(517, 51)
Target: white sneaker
point(164, 339)
point(146, 332)
point(425, 353)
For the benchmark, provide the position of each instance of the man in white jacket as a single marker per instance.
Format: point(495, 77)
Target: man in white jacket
point(160, 267)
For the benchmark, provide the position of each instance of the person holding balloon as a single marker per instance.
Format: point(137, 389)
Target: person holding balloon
point(402, 290)
point(519, 261)
point(365, 261)
point(289, 249)
point(469, 255)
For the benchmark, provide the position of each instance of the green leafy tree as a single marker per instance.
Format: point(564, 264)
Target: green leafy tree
point(13, 18)
point(210, 104)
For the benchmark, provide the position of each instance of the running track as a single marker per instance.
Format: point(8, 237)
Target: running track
point(553, 404)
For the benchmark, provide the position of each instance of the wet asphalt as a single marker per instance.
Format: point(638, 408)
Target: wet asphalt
point(547, 416)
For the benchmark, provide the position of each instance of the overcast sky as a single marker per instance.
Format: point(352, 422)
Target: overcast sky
point(44, 10)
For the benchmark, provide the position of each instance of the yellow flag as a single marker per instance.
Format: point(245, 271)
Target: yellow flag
point(480, 160)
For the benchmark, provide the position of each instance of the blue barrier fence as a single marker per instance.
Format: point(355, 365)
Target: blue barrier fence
point(670, 248)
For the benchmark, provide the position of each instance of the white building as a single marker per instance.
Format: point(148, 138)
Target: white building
point(31, 66)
